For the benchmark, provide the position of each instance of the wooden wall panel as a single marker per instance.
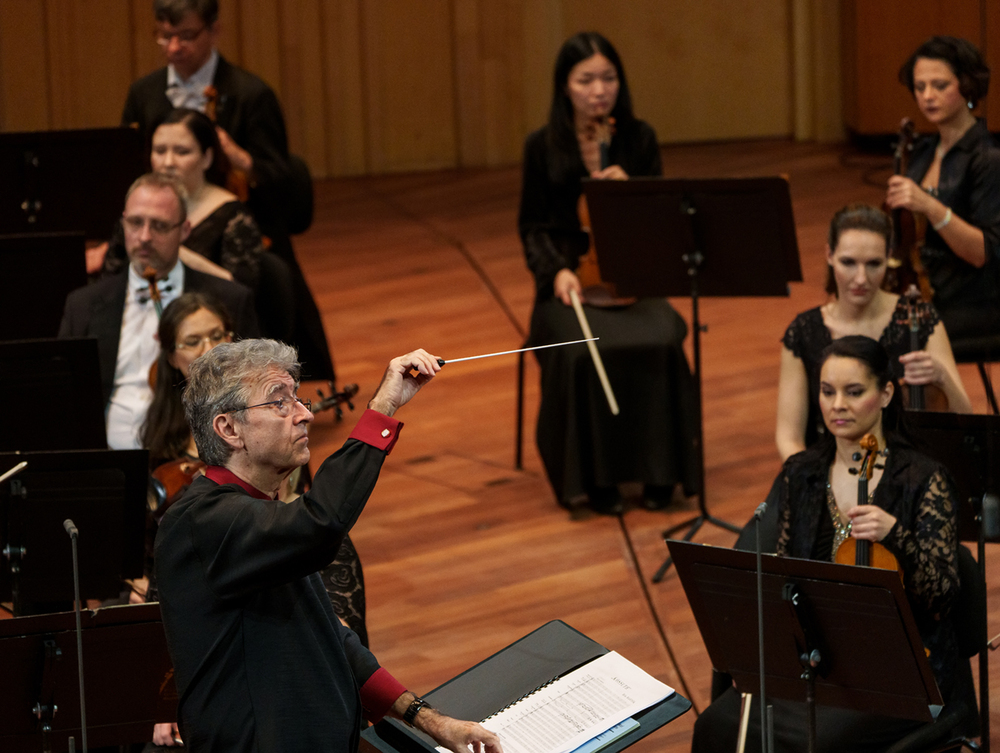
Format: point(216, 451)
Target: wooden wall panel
point(411, 88)
point(700, 71)
point(372, 86)
point(875, 101)
point(344, 95)
point(90, 61)
point(992, 108)
point(24, 74)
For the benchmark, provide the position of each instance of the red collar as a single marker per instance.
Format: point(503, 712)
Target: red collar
point(221, 475)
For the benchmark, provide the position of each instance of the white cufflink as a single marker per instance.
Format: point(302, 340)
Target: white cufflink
point(385, 432)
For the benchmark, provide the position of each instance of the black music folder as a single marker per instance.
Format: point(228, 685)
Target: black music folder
point(547, 653)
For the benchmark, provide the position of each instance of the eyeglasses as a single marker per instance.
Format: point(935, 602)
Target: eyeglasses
point(284, 405)
point(184, 37)
point(156, 227)
point(194, 342)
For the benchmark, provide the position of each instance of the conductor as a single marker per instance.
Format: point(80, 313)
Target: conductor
point(261, 660)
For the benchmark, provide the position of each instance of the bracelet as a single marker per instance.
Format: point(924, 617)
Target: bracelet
point(945, 221)
point(413, 708)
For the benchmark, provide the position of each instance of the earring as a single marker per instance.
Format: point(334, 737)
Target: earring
point(971, 104)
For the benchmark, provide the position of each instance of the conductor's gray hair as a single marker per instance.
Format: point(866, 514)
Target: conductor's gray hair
point(222, 381)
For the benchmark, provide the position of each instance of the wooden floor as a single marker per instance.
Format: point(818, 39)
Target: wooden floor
point(462, 553)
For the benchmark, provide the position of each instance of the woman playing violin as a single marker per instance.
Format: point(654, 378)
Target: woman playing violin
point(857, 253)
point(587, 452)
point(911, 510)
point(953, 180)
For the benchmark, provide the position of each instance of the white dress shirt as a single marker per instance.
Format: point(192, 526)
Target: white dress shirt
point(191, 93)
point(138, 349)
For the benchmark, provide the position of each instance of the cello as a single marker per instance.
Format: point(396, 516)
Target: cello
point(862, 552)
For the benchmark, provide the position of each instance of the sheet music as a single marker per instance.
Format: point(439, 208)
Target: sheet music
point(571, 710)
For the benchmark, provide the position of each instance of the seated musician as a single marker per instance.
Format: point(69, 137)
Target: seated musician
point(192, 325)
point(122, 311)
point(588, 452)
point(953, 180)
point(910, 511)
point(857, 251)
point(224, 238)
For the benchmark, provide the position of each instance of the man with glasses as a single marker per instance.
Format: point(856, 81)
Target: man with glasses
point(252, 133)
point(261, 661)
point(122, 311)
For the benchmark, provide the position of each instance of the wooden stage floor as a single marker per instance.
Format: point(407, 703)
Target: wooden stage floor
point(462, 553)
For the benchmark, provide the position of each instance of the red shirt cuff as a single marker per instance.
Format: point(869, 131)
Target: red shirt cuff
point(378, 430)
point(379, 693)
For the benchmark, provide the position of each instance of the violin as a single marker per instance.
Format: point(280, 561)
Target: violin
point(908, 230)
point(920, 396)
point(596, 292)
point(149, 275)
point(237, 181)
point(862, 552)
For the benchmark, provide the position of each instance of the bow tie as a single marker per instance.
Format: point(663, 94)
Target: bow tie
point(143, 296)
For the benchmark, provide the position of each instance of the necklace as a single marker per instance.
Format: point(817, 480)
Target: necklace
point(841, 530)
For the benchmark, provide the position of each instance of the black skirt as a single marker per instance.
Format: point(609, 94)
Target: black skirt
point(652, 440)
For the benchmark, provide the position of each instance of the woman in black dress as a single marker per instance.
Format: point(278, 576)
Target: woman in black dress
point(954, 181)
point(857, 252)
point(911, 510)
point(587, 452)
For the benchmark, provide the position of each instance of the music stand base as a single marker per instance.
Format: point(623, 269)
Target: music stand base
point(693, 524)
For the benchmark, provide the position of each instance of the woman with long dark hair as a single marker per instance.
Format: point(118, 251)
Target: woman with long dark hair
point(587, 452)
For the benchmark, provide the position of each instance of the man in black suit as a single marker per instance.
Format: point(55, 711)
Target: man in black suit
point(252, 133)
point(120, 311)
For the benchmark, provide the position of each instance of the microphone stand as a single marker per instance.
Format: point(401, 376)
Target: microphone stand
point(766, 712)
point(71, 529)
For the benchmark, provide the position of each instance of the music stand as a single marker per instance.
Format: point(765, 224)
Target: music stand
point(969, 447)
point(42, 190)
point(129, 678)
point(104, 492)
point(40, 270)
point(660, 237)
point(56, 391)
point(834, 604)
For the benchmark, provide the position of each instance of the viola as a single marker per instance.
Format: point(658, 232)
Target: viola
point(596, 291)
point(861, 551)
point(908, 230)
point(920, 396)
point(237, 181)
point(171, 480)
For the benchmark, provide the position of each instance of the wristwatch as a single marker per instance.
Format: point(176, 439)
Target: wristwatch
point(415, 706)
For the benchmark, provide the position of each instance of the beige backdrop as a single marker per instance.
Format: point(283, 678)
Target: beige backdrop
point(371, 86)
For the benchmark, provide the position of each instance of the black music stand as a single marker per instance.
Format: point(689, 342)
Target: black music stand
point(67, 180)
point(55, 391)
point(40, 270)
point(544, 654)
point(129, 678)
point(716, 237)
point(969, 447)
point(834, 605)
point(104, 492)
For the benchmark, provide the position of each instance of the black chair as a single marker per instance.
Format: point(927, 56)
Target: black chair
point(980, 351)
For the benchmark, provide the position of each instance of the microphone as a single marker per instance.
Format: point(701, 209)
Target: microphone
point(991, 516)
point(758, 514)
point(74, 533)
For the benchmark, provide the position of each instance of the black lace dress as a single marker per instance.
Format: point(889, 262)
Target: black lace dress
point(918, 493)
point(807, 336)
